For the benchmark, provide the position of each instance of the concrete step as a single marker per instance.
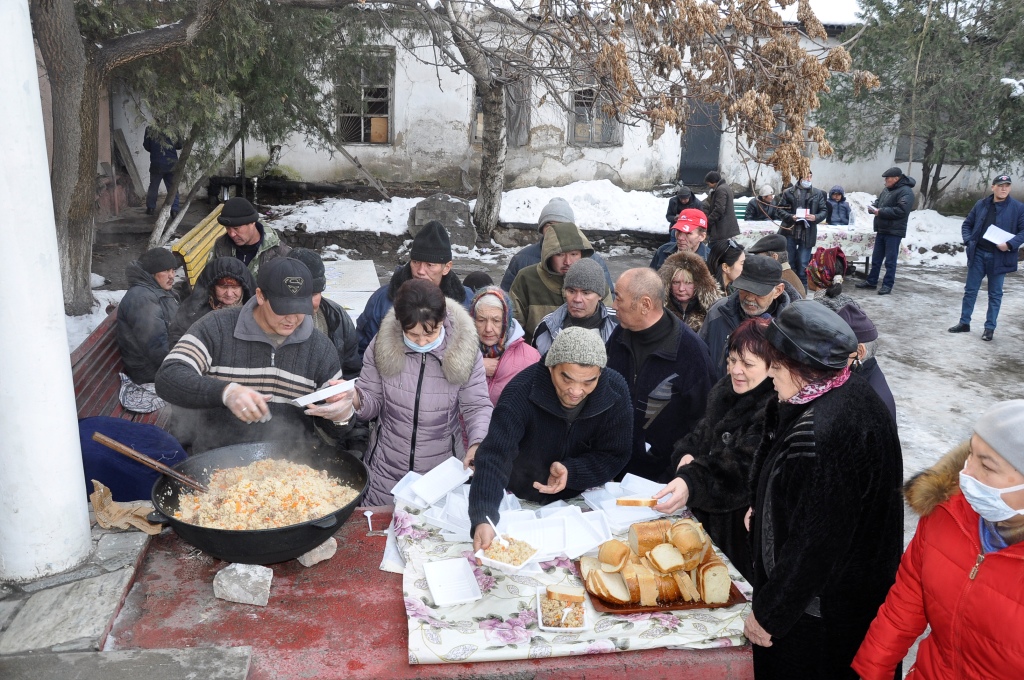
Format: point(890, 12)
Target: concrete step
point(209, 663)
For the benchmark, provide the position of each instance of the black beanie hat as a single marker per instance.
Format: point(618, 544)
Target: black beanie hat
point(712, 177)
point(315, 264)
point(812, 334)
point(158, 260)
point(432, 244)
point(237, 211)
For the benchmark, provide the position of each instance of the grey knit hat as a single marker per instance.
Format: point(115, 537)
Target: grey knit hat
point(557, 210)
point(586, 274)
point(575, 345)
point(1002, 428)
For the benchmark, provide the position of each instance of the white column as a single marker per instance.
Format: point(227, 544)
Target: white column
point(44, 515)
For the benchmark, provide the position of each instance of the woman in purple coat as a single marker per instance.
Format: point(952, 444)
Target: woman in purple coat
point(421, 371)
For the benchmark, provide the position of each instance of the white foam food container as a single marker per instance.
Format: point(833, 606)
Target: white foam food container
point(547, 535)
point(584, 532)
point(621, 516)
point(541, 595)
point(433, 486)
point(326, 392)
point(451, 582)
point(505, 567)
point(402, 490)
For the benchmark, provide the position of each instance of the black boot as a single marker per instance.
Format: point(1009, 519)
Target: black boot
point(960, 328)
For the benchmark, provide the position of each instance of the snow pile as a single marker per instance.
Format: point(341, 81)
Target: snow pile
point(344, 214)
point(95, 280)
point(598, 205)
point(926, 230)
point(829, 12)
point(79, 327)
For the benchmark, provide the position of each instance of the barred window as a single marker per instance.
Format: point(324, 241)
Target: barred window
point(589, 124)
point(366, 117)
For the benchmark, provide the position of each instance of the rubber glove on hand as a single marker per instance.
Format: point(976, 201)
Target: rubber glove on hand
point(246, 404)
point(338, 409)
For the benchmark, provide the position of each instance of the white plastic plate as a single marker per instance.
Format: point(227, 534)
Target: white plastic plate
point(326, 392)
point(451, 582)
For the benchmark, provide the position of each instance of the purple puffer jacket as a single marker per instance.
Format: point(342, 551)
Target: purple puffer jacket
point(417, 399)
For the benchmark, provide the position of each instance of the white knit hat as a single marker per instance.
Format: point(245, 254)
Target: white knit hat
point(1002, 428)
point(575, 345)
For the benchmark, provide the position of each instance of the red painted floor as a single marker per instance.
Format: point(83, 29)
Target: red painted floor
point(343, 618)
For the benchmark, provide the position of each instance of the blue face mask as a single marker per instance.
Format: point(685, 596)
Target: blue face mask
point(988, 501)
point(805, 184)
point(423, 349)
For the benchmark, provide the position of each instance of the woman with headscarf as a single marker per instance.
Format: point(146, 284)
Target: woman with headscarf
point(827, 520)
point(504, 350)
point(725, 262)
point(713, 462)
point(963, 572)
point(423, 380)
point(690, 290)
point(825, 278)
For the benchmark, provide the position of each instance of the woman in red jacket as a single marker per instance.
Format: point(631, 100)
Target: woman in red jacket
point(963, 572)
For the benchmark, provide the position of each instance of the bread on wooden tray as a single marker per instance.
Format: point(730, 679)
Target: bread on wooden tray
point(665, 562)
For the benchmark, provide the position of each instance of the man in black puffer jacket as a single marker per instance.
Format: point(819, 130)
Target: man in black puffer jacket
point(329, 318)
point(891, 211)
point(145, 314)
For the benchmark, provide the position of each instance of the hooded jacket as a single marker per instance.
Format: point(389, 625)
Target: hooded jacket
point(417, 399)
point(537, 290)
point(530, 255)
point(894, 206)
point(973, 601)
point(719, 207)
point(270, 247)
point(838, 211)
point(827, 529)
point(197, 305)
point(551, 326)
point(144, 318)
point(383, 298)
point(1010, 218)
point(722, 319)
point(705, 289)
point(517, 356)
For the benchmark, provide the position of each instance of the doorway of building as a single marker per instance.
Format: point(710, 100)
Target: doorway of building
point(702, 144)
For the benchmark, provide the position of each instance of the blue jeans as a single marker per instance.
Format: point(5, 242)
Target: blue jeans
point(887, 247)
point(977, 269)
point(154, 188)
point(799, 257)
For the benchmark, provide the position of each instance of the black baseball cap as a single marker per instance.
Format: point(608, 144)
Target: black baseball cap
point(760, 275)
point(287, 285)
point(1001, 179)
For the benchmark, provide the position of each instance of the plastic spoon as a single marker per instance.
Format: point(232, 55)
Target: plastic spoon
point(497, 534)
point(565, 613)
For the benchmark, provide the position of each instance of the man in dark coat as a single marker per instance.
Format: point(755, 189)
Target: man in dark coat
point(987, 258)
point(224, 283)
point(556, 210)
point(719, 207)
point(683, 200)
point(246, 237)
point(688, 234)
point(431, 259)
point(891, 211)
point(163, 156)
point(329, 318)
point(762, 207)
point(759, 291)
point(559, 428)
point(145, 313)
point(667, 369)
point(801, 230)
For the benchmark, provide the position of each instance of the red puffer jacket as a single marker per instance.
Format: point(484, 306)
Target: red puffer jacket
point(973, 602)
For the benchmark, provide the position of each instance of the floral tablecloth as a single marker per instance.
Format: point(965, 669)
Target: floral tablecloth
point(502, 626)
point(857, 244)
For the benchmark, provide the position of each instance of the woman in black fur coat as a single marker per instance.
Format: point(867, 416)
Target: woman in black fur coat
point(827, 525)
point(713, 461)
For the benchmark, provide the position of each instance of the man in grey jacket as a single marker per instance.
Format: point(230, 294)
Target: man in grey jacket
point(583, 287)
point(239, 367)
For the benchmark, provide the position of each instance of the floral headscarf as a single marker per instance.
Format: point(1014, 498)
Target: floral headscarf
point(826, 267)
point(494, 351)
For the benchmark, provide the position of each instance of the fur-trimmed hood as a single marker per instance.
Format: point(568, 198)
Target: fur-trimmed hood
point(929, 488)
point(457, 354)
point(704, 286)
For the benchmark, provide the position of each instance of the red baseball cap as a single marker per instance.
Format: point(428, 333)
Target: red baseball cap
point(690, 220)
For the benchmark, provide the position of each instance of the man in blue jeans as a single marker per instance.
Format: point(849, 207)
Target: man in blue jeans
point(994, 256)
point(891, 211)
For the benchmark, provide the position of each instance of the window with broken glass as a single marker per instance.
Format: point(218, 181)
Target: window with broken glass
point(589, 124)
point(365, 109)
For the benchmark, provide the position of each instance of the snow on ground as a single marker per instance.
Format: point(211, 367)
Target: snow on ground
point(79, 327)
point(345, 214)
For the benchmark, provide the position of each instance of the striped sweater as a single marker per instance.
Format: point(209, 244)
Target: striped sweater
point(228, 346)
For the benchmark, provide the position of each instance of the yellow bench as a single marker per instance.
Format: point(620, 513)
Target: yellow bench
point(195, 246)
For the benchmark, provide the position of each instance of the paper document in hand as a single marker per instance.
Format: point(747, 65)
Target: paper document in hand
point(802, 212)
point(996, 235)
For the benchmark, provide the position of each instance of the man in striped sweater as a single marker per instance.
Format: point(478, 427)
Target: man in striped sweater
point(236, 369)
